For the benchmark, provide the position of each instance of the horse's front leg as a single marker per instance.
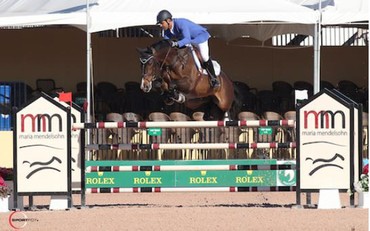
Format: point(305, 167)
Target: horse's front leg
point(174, 94)
point(166, 93)
point(170, 94)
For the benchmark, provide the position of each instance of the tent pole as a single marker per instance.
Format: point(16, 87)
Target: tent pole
point(316, 78)
point(88, 70)
point(88, 80)
point(88, 99)
point(317, 55)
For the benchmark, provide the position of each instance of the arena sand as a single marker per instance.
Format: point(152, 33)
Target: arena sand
point(192, 211)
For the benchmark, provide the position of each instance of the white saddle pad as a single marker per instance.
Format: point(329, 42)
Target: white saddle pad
point(216, 65)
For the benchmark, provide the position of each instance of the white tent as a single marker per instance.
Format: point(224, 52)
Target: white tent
point(226, 19)
point(343, 12)
point(104, 15)
point(230, 19)
point(113, 14)
point(334, 12)
point(39, 13)
point(236, 12)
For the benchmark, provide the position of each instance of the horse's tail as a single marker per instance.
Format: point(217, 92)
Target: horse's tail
point(237, 104)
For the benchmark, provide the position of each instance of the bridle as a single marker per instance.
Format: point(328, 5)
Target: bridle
point(145, 60)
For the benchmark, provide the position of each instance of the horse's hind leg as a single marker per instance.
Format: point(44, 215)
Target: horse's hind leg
point(214, 112)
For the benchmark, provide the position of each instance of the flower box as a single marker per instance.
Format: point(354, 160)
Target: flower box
point(7, 189)
point(362, 188)
point(11, 198)
point(4, 204)
point(363, 200)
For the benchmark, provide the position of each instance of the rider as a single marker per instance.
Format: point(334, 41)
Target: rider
point(188, 32)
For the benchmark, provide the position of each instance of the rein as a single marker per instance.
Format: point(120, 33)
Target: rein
point(164, 60)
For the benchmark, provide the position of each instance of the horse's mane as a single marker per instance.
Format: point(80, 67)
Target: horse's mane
point(162, 44)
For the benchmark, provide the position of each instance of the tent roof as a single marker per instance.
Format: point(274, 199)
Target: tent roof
point(111, 14)
point(18, 13)
point(336, 12)
point(226, 19)
point(344, 11)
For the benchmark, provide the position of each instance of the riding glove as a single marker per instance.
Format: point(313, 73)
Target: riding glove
point(174, 44)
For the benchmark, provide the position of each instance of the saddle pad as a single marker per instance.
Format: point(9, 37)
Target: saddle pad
point(216, 65)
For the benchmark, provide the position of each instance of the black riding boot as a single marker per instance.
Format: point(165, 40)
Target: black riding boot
point(211, 74)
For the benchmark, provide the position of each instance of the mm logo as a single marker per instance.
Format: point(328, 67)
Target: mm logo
point(324, 119)
point(42, 121)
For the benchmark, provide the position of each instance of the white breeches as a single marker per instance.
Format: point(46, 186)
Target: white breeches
point(204, 50)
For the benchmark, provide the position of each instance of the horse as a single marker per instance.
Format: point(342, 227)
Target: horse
point(174, 72)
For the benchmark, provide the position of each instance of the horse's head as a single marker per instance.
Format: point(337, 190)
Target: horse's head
point(150, 72)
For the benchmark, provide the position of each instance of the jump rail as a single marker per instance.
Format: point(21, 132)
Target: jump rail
point(157, 146)
point(189, 168)
point(185, 124)
point(192, 189)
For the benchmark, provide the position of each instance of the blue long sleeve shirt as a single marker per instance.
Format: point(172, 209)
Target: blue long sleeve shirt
point(187, 32)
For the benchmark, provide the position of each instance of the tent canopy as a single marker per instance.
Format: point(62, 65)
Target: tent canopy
point(260, 19)
point(24, 13)
point(336, 12)
point(113, 14)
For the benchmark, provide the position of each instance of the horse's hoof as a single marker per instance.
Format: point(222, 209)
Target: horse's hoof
point(180, 98)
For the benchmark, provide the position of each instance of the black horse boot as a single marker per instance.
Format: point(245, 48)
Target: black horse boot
point(177, 96)
point(211, 74)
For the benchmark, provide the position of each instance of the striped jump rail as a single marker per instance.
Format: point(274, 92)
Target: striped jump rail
point(192, 189)
point(163, 146)
point(185, 124)
point(189, 168)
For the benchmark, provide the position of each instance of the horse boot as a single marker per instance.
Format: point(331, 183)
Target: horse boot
point(177, 96)
point(211, 74)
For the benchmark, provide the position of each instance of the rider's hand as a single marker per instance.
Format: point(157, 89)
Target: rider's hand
point(174, 44)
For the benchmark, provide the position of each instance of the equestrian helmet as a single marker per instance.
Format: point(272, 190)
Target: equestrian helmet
point(163, 15)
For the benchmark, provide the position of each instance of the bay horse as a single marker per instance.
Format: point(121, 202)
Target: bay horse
point(174, 72)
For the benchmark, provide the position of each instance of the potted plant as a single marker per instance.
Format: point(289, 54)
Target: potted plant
point(6, 174)
point(5, 192)
point(362, 188)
